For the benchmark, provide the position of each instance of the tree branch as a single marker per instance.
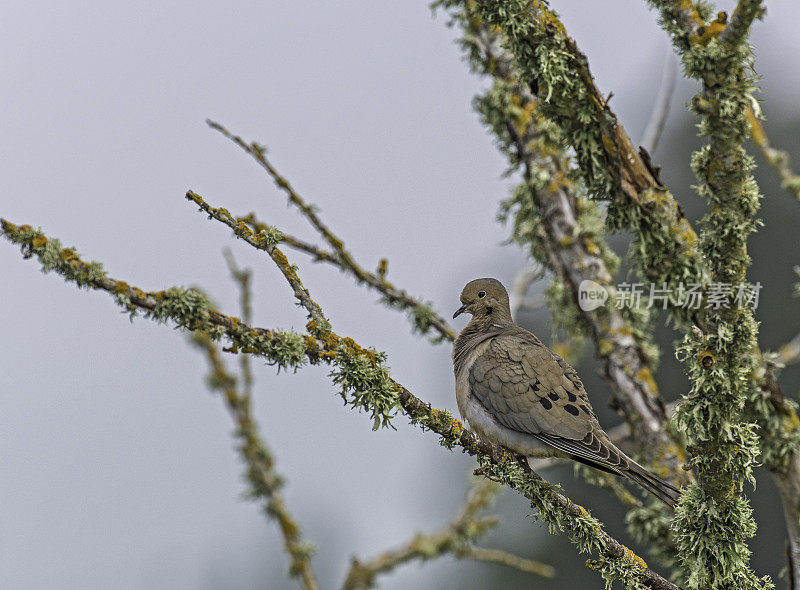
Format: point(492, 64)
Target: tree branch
point(658, 116)
point(364, 381)
point(456, 539)
point(518, 294)
point(562, 231)
point(242, 276)
point(265, 483)
point(789, 488)
point(681, 19)
point(738, 27)
point(422, 314)
point(720, 415)
point(789, 353)
point(549, 62)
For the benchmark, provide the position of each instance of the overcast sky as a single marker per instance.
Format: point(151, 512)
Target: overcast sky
point(118, 468)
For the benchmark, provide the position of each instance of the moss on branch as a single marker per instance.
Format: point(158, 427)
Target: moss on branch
point(264, 482)
point(725, 408)
point(614, 560)
point(549, 62)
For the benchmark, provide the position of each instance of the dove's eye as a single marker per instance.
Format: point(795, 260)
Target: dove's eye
point(481, 294)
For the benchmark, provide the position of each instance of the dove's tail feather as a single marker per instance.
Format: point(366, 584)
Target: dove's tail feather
point(661, 489)
point(606, 457)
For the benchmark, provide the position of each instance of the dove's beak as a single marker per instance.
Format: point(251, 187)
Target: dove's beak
point(460, 310)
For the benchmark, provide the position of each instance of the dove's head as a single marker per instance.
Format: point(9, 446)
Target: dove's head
point(486, 300)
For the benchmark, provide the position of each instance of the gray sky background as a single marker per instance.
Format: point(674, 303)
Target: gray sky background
point(117, 467)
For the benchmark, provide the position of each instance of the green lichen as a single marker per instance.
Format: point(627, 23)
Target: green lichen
point(271, 236)
point(52, 256)
point(584, 531)
point(365, 384)
point(722, 414)
point(422, 317)
point(287, 349)
point(720, 537)
point(441, 421)
point(650, 521)
point(187, 308)
point(542, 54)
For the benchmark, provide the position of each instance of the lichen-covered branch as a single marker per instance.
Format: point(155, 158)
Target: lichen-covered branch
point(264, 482)
point(424, 318)
point(735, 33)
point(548, 61)
point(682, 19)
point(456, 539)
point(719, 56)
point(563, 231)
point(778, 159)
point(364, 383)
point(422, 315)
point(242, 276)
point(720, 414)
point(266, 240)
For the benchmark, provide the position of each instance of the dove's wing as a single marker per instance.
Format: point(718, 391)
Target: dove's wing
point(523, 385)
point(527, 388)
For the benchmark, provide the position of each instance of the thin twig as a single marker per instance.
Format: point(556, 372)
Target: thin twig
point(778, 159)
point(341, 257)
point(658, 116)
point(518, 298)
point(242, 276)
point(265, 483)
point(507, 559)
point(455, 539)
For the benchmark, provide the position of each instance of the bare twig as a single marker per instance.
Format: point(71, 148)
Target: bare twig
point(658, 116)
point(508, 559)
point(455, 539)
point(424, 317)
point(519, 300)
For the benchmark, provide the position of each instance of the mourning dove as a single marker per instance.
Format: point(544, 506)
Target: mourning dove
point(515, 392)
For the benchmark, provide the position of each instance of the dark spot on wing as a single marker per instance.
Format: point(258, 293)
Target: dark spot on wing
point(585, 409)
point(553, 396)
point(546, 403)
point(571, 396)
point(535, 387)
point(571, 409)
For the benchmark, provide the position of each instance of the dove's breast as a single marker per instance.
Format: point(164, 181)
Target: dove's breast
point(482, 422)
